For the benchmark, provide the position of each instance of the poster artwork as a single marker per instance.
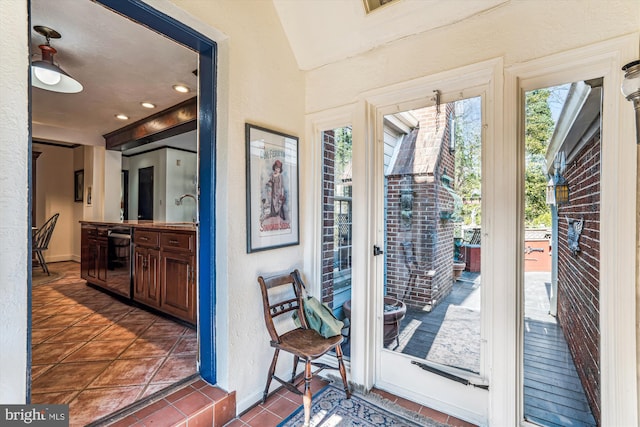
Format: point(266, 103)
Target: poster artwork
point(275, 184)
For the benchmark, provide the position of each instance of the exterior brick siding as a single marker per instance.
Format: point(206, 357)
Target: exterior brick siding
point(328, 193)
point(419, 268)
point(578, 275)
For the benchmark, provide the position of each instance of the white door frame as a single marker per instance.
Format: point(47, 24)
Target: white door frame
point(485, 78)
point(618, 248)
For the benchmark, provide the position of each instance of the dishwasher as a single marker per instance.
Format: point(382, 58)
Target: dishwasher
point(119, 260)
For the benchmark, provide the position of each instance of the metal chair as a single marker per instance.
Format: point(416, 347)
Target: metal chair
point(41, 240)
point(305, 344)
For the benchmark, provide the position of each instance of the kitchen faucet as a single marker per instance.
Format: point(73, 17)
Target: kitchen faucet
point(179, 202)
point(179, 199)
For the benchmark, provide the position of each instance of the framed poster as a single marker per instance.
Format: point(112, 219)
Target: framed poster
point(272, 189)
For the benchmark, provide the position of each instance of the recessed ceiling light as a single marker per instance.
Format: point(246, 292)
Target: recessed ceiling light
point(148, 105)
point(122, 117)
point(181, 88)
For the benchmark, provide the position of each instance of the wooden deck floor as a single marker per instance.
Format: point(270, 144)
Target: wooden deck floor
point(553, 394)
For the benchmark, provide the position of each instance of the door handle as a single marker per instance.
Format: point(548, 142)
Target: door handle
point(377, 251)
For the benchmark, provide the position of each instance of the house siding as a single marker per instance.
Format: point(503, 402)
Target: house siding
point(578, 275)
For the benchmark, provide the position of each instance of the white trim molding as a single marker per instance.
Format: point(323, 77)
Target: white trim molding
point(618, 248)
point(481, 79)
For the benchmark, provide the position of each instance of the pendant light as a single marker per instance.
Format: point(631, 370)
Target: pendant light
point(45, 74)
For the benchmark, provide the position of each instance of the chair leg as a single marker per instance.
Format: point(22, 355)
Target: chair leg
point(42, 262)
point(306, 397)
point(343, 371)
point(272, 370)
point(296, 360)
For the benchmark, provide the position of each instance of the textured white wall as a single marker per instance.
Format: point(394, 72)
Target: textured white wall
point(259, 82)
point(518, 31)
point(14, 222)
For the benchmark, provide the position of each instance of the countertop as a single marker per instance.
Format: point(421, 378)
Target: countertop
point(157, 225)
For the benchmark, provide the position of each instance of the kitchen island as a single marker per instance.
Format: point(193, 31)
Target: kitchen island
point(148, 263)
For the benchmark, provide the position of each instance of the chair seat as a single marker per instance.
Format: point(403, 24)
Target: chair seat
point(306, 343)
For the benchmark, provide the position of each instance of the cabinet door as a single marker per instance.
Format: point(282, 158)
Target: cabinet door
point(178, 295)
point(146, 269)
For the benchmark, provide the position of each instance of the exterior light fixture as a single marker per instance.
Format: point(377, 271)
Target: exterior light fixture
point(45, 74)
point(560, 189)
point(631, 90)
point(181, 88)
point(551, 194)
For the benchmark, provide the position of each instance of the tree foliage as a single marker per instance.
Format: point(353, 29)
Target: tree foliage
point(539, 128)
point(468, 146)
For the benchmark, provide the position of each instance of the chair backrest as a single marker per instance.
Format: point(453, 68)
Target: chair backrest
point(273, 309)
point(42, 237)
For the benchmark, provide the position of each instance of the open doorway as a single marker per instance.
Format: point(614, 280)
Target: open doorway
point(102, 404)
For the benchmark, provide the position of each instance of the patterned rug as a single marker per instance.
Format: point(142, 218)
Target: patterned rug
point(458, 340)
point(330, 408)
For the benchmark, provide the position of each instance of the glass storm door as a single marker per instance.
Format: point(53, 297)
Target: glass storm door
point(430, 346)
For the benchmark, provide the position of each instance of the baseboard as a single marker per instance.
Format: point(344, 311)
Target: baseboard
point(61, 258)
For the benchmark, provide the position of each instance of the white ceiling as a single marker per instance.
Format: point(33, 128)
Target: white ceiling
point(325, 31)
point(121, 63)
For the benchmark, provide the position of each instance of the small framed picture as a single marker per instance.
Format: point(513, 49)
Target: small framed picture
point(78, 185)
point(272, 189)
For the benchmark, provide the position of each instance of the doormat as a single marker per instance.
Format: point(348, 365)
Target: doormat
point(331, 408)
point(457, 343)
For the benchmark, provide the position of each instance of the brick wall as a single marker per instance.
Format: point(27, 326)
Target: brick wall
point(578, 275)
point(420, 249)
point(328, 193)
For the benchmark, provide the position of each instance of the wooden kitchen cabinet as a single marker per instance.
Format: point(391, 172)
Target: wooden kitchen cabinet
point(146, 267)
point(177, 276)
point(93, 260)
point(165, 272)
point(146, 270)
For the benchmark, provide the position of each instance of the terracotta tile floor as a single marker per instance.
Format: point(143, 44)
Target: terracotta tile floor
point(97, 354)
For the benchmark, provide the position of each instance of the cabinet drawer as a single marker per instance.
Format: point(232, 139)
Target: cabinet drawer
point(177, 241)
point(147, 238)
point(102, 232)
point(91, 231)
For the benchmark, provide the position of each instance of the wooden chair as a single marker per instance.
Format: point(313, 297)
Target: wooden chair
point(305, 344)
point(41, 240)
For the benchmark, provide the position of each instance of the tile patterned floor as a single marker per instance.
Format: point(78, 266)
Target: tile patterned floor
point(97, 354)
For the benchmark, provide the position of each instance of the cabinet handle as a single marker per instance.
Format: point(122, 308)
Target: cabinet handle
point(173, 242)
point(144, 238)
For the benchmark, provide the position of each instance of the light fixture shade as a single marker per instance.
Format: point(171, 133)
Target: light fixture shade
point(45, 74)
point(631, 90)
point(66, 83)
point(561, 190)
point(551, 193)
point(631, 83)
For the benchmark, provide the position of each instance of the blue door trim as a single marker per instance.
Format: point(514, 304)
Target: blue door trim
point(179, 32)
